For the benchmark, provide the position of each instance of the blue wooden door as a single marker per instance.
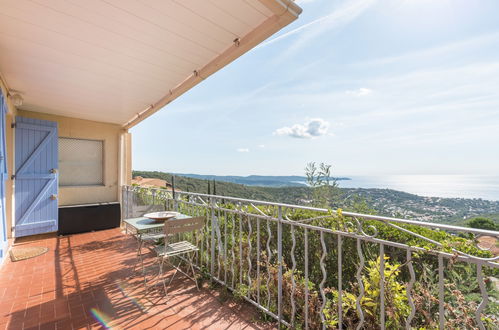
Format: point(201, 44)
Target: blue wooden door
point(35, 177)
point(3, 177)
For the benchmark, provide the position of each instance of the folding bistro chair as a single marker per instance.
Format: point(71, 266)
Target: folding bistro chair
point(178, 249)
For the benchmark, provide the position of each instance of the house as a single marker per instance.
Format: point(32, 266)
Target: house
point(76, 76)
point(151, 183)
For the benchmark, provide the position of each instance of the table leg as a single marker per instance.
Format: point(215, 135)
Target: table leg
point(139, 253)
point(142, 263)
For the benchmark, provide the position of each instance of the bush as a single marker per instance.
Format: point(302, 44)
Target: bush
point(396, 305)
point(482, 223)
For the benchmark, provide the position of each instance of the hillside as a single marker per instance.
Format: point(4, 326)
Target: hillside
point(433, 209)
point(384, 201)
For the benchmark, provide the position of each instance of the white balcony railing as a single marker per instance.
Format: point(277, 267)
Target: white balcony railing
point(316, 268)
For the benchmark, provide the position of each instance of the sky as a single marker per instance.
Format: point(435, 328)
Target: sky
point(370, 87)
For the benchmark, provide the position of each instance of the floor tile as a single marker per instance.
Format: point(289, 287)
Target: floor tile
point(85, 281)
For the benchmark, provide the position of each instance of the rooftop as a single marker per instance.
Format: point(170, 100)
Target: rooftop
point(151, 182)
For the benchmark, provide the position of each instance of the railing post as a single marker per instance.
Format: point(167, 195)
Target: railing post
point(382, 285)
point(123, 202)
point(441, 293)
point(305, 237)
point(153, 193)
point(279, 261)
point(175, 202)
point(340, 282)
point(129, 197)
point(212, 265)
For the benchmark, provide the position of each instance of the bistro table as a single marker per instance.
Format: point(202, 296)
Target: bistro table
point(142, 225)
point(144, 229)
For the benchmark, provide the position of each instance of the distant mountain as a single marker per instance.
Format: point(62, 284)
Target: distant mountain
point(384, 201)
point(257, 180)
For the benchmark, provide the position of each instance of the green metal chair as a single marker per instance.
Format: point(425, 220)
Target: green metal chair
point(178, 249)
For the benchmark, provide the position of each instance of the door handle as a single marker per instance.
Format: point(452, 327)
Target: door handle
point(53, 197)
point(53, 171)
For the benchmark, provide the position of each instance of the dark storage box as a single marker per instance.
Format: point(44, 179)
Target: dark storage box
point(88, 217)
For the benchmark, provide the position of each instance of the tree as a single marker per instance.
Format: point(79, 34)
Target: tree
point(325, 190)
point(482, 223)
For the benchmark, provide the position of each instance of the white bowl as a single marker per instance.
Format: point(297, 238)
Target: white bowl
point(161, 216)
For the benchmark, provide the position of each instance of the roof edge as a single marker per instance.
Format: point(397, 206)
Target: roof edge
point(277, 6)
point(285, 12)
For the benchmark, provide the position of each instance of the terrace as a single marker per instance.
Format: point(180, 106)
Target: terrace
point(84, 282)
point(263, 253)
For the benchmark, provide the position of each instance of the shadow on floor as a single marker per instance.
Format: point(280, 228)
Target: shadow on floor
point(87, 281)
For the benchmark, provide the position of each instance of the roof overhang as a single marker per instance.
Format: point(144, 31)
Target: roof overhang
point(120, 61)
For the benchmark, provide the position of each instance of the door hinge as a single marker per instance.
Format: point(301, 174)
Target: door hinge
point(13, 125)
point(13, 177)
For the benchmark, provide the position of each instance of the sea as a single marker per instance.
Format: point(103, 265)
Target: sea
point(455, 186)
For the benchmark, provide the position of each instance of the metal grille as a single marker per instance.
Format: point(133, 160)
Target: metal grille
point(80, 162)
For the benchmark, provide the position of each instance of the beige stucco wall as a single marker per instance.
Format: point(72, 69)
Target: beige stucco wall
point(117, 158)
point(85, 129)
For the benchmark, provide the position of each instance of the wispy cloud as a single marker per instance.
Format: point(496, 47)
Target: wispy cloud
point(442, 50)
point(261, 146)
point(312, 128)
point(340, 16)
point(360, 92)
point(242, 150)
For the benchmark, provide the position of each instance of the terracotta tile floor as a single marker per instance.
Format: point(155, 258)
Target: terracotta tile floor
point(84, 282)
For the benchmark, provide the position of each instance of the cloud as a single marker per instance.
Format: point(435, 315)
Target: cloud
point(261, 146)
point(311, 129)
point(337, 18)
point(242, 150)
point(360, 92)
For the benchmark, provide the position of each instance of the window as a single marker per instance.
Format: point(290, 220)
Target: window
point(80, 162)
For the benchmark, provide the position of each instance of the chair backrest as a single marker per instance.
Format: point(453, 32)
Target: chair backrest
point(183, 225)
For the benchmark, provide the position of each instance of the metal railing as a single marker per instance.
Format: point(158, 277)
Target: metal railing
point(316, 268)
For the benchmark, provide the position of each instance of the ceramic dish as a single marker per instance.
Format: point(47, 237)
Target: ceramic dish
point(161, 216)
